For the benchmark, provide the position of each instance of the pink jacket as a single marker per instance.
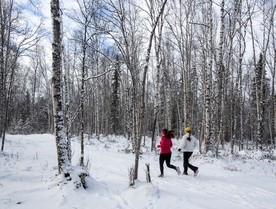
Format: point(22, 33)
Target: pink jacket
point(165, 145)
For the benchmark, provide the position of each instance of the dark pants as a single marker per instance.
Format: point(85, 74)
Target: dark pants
point(186, 164)
point(165, 157)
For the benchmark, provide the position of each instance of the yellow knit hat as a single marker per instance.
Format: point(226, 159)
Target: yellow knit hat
point(187, 129)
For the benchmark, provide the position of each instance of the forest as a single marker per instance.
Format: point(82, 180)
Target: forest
point(133, 67)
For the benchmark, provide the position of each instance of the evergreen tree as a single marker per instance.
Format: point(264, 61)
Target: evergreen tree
point(115, 99)
point(260, 96)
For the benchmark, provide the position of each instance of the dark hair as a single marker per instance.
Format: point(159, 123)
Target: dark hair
point(189, 137)
point(171, 133)
point(165, 131)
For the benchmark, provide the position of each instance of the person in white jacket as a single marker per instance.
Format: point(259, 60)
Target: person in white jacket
point(188, 144)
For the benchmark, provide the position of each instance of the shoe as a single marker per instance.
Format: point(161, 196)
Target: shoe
point(185, 173)
point(196, 172)
point(161, 175)
point(178, 170)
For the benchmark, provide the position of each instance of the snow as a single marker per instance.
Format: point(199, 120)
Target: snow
point(28, 168)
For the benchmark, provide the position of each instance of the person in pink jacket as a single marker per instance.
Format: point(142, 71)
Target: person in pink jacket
point(165, 145)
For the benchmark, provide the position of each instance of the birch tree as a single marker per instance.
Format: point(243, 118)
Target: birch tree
point(242, 27)
point(143, 105)
point(207, 84)
point(259, 92)
point(221, 79)
point(62, 151)
point(158, 62)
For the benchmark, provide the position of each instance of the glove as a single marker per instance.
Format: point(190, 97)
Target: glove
point(179, 150)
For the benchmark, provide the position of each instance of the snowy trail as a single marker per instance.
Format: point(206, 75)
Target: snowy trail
point(28, 169)
point(200, 191)
point(215, 188)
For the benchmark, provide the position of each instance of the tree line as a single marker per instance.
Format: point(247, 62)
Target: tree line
point(133, 67)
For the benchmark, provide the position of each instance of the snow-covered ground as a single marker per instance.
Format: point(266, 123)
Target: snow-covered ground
point(28, 169)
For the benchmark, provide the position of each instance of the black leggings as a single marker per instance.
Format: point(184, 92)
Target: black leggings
point(165, 157)
point(186, 164)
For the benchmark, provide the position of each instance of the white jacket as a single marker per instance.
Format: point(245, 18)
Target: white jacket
point(186, 145)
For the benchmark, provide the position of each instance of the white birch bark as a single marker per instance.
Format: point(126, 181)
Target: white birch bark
point(221, 77)
point(158, 61)
point(242, 47)
point(62, 153)
point(207, 122)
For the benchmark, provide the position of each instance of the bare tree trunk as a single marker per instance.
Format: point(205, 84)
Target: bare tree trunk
point(67, 105)
point(273, 138)
point(6, 22)
point(8, 66)
point(62, 152)
point(273, 72)
point(207, 122)
point(240, 75)
point(267, 31)
point(158, 42)
point(253, 48)
point(2, 68)
point(82, 94)
point(221, 75)
point(143, 105)
point(273, 119)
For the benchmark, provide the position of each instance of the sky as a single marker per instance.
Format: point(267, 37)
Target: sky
point(39, 10)
point(28, 178)
point(35, 12)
